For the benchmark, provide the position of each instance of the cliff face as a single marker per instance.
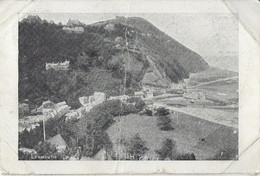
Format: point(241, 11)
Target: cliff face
point(107, 56)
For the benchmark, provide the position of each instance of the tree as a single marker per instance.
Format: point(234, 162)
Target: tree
point(45, 149)
point(162, 112)
point(168, 150)
point(186, 156)
point(164, 123)
point(24, 155)
point(148, 112)
point(84, 61)
point(136, 146)
point(138, 102)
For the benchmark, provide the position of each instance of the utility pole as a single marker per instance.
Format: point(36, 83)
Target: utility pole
point(177, 117)
point(44, 137)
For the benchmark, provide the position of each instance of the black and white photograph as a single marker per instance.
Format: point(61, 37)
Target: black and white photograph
point(128, 86)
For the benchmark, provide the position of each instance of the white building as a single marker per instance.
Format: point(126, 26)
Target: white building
point(93, 100)
point(120, 97)
point(58, 66)
point(73, 29)
point(75, 114)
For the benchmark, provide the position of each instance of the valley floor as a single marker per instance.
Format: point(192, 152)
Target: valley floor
point(187, 131)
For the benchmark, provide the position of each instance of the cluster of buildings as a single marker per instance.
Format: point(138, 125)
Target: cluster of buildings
point(47, 110)
point(150, 92)
point(87, 103)
point(58, 66)
point(51, 110)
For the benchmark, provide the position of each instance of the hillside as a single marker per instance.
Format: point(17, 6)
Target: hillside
point(99, 57)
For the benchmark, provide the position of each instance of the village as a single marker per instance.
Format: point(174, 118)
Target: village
point(176, 98)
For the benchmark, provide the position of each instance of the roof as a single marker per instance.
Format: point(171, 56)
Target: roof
point(102, 155)
point(57, 140)
point(27, 150)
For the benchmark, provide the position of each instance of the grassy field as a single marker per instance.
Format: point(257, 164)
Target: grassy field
point(186, 133)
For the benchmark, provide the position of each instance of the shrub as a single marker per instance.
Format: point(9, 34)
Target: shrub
point(162, 112)
point(45, 149)
point(186, 156)
point(148, 112)
point(24, 155)
point(168, 150)
point(139, 103)
point(136, 146)
point(164, 123)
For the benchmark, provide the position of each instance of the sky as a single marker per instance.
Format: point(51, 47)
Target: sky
point(213, 36)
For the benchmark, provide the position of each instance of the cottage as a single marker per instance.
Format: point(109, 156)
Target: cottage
point(27, 150)
point(49, 109)
point(120, 97)
point(149, 95)
point(75, 114)
point(109, 27)
point(74, 30)
point(119, 40)
point(139, 94)
point(89, 102)
point(58, 142)
point(83, 101)
point(57, 66)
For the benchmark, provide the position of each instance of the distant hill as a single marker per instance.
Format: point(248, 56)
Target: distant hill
point(98, 57)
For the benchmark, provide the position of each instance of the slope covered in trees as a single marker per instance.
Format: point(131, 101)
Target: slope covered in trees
point(98, 57)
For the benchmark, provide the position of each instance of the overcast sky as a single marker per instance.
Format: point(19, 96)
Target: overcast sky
point(213, 36)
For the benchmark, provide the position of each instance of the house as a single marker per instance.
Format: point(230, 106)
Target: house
point(120, 97)
point(49, 109)
point(74, 114)
point(58, 142)
point(46, 105)
point(23, 109)
point(83, 101)
point(175, 91)
point(57, 66)
point(119, 40)
point(73, 29)
point(109, 27)
point(103, 155)
point(27, 150)
point(97, 98)
point(89, 102)
point(181, 85)
point(149, 94)
point(139, 94)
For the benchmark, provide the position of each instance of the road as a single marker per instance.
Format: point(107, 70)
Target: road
point(210, 82)
point(214, 115)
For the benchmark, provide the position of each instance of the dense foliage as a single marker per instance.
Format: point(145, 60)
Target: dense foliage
point(136, 147)
point(168, 151)
point(89, 54)
point(96, 64)
point(91, 128)
point(163, 119)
